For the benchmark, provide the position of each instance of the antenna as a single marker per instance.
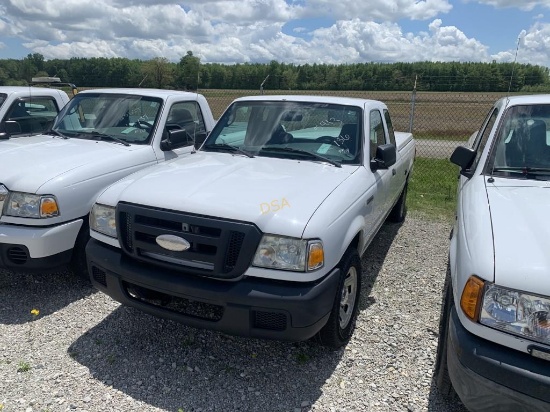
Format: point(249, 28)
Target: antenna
point(513, 66)
point(197, 114)
point(262, 85)
point(141, 82)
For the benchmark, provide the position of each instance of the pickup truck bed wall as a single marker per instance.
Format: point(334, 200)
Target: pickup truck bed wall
point(263, 227)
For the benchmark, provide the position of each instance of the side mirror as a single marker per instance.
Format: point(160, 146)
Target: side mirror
point(176, 138)
point(464, 157)
point(8, 128)
point(386, 155)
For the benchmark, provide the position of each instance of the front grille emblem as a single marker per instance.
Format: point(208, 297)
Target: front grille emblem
point(173, 243)
point(185, 227)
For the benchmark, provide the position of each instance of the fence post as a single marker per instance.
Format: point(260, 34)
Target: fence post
point(413, 101)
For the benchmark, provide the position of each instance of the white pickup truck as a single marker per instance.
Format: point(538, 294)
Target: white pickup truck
point(494, 341)
point(49, 182)
point(260, 232)
point(28, 110)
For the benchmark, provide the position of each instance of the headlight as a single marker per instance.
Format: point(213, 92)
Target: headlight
point(3, 197)
point(516, 312)
point(286, 253)
point(28, 205)
point(102, 219)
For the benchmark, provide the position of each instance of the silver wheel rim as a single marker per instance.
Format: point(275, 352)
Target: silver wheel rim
point(347, 300)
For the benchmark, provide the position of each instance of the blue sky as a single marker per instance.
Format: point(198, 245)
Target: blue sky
point(290, 31)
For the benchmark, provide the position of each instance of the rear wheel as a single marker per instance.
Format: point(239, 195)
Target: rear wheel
point(399, 211)
point(442, 378)
point(341, 323)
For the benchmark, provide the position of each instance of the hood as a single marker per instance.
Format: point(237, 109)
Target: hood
point(27, 163)
point(278, 195)
point(521, 228)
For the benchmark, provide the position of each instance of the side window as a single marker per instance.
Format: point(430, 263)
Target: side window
point(391, 133)
point(33, 115)
point(483, 137)
point(377, 135)
point(188, 116)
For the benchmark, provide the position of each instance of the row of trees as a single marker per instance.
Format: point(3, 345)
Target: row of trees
point(190, 74)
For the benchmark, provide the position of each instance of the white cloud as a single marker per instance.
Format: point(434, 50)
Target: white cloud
point(380, 10)
point(526, 5)
point(78, 49)
point(231, 31)
point(534, 47)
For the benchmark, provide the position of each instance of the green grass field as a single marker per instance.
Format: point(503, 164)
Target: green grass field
point(432, 188)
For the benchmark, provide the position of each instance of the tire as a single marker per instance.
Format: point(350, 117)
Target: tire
point(442, 378)
point(78, 264)
point(341, 322)
point(399, 211)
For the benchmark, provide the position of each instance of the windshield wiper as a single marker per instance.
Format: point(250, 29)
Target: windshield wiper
point(227, 148)
point(524, 170)
point(101, 136)
point(301, 152)
point(56, 133)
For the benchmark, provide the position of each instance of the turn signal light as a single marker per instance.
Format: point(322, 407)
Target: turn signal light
point(470, 301)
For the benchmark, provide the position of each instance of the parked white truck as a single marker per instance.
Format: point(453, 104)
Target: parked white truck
point(260, 232)
point(494, 340)
point(48, 182)
point(28, 110)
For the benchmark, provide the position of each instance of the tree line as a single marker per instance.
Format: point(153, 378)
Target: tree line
point(190, 74)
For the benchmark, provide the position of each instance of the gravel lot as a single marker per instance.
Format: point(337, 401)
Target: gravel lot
point(84, 352)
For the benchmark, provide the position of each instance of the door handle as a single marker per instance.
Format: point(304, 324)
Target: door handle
point(370, 199)
point(393, 172)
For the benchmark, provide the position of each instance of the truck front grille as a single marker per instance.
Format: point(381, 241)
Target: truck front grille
point(218, 248)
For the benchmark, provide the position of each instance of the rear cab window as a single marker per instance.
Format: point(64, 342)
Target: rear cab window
point(33, 114)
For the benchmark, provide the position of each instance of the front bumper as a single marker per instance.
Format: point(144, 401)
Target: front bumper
point(491, 377)
point(251, 307)
point(35, 248)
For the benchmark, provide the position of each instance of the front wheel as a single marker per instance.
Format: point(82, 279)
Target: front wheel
point(442, 378)
point(341, 323)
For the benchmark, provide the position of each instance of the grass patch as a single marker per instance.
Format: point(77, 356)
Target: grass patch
point(302, 358)
point(23, 366)
point(432, 188)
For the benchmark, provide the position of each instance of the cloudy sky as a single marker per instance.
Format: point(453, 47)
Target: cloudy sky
point(290, 31)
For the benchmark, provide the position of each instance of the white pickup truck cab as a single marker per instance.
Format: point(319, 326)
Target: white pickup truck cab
point(48, 182)
point(28, 110)
point(494, 343)
point(260, 232)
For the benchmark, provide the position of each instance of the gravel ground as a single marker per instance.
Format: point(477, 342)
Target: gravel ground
point(84, 352)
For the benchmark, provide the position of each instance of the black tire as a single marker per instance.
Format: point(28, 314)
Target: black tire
point(341, 323)
point(78, 264)
point(442, 378)
point(399, 210)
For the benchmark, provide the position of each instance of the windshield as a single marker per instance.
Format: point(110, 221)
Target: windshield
point(522, 147)
point(113, 117)
point(297, 130)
